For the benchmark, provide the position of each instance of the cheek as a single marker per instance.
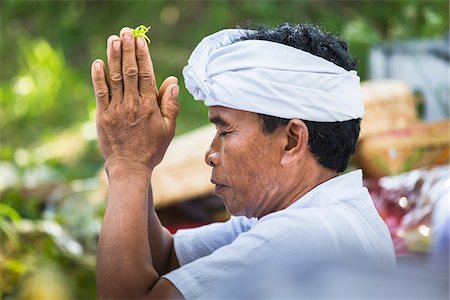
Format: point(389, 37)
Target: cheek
point(239, 165)
point(249, 165)
point(250, 180)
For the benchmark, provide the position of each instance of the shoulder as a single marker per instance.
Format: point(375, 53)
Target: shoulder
point(294, 226)
point(297, 218)
point(315, 227)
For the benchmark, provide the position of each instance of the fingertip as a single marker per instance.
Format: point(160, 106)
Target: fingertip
point(170, 107)
point(111, 38)
point(100, 85)
point(175, 91)
point(110, 41)
point(127, 37)
point(173, 78)
point(124, 29)
point(97, 66)
point(141, 43)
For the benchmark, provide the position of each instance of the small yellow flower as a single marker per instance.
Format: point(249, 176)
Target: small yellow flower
point(141, 31)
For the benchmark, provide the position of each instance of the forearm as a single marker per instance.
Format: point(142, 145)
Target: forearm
point(160, 241)
point(124, 263)
point(135, 124)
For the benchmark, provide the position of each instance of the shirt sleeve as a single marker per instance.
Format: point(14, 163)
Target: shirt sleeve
point(192, 244)
point(267, 241)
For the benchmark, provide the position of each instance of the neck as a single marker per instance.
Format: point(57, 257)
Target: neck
point(307, 182)
point(300, 183)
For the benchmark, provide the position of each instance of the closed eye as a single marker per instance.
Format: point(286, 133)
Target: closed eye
point(224, 133)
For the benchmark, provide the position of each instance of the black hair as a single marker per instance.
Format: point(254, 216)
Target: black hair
point(331, 143)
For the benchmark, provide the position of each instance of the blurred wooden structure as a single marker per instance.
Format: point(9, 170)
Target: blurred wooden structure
point(388, 104)
point(399, 150)
point(393, 140)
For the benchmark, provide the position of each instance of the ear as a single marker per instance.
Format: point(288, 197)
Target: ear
point(296, 142)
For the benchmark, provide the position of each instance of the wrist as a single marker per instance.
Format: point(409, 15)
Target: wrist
point(128, 168)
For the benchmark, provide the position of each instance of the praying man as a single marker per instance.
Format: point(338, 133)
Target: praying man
point(287, 106)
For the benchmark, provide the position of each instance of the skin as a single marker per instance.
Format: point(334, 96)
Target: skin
point(135, 124)
point(255, 174)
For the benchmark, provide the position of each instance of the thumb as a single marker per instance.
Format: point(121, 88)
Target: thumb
point(170, 107)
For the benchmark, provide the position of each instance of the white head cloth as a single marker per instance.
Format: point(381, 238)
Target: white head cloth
point(271, 78)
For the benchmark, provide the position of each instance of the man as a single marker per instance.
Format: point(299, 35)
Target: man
point(287, 106)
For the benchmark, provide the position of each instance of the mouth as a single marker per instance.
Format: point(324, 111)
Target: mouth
point(218, 185)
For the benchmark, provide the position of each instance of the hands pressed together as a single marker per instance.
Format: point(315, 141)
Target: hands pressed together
point(135, 120)
point(135, 124)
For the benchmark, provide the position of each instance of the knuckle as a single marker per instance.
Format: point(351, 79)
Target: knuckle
point(116, 78)
point(146, 76)
point(130, 71)
point(102, 93)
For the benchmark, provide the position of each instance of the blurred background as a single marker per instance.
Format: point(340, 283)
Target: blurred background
point(52, 185)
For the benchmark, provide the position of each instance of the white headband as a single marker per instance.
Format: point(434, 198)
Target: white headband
point(271, 78)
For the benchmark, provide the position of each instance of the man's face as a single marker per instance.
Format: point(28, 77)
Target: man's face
point(245, 161)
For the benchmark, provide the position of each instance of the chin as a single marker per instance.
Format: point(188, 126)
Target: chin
point(234, 211)
point(237, 211)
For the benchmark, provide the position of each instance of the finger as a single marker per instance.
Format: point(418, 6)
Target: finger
point(115, 66)
point(168, 81)
point(170, 107)
point(129, 67)
point(100, 84)
point(146, 74)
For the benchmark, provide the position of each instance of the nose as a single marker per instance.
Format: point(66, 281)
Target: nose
point(212, 157)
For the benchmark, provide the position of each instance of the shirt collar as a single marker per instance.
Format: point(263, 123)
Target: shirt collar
point(331, 190)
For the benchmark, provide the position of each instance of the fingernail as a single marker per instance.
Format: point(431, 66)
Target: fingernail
point(175, 91)
point(140, 42)
point(97, 65)
point(127, 36)
point(116, 45)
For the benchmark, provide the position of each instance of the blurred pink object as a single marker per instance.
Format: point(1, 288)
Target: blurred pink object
point(407, 203)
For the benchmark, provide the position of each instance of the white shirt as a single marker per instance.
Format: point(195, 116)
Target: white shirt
point(334, 221)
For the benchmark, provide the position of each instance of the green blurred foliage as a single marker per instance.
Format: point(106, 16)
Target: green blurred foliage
point(50, 210)
point(48, 46)
point(43, 97)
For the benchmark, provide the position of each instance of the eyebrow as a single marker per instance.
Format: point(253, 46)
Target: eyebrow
point(218, 121)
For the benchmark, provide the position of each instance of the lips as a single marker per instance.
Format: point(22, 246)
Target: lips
point(215, 182)
point(219, 186)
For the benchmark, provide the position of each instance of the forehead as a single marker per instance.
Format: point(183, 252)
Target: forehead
point(220, 115)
